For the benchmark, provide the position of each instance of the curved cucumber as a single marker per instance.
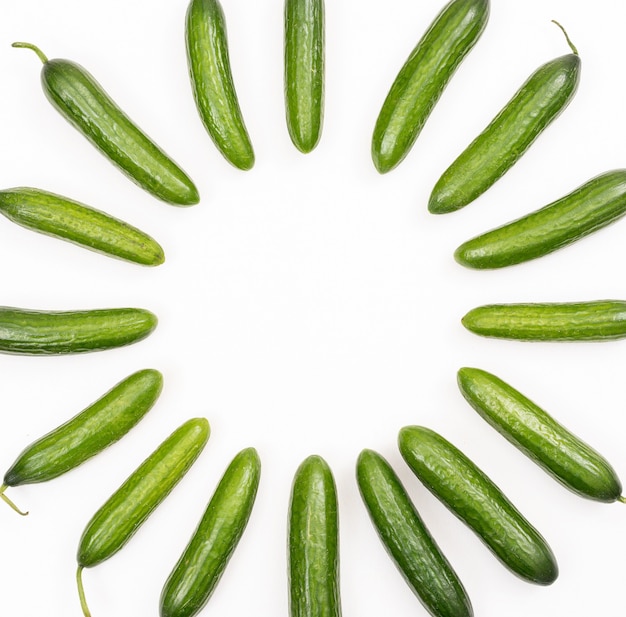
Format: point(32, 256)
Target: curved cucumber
point(212, 82)
point(409, 544)
point(594, 205)
point(599, 320)
point(423, 78)
point(202, 563)
point(82, 101)
point(540, 100)
point(313, 542)
point(70, 220)
point(563, 455)
point(473, 497)
point(304, 71)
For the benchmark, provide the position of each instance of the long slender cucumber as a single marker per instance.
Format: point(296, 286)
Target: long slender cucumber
point(423, 78)
point(407, 540)
point(82, 101)
point(473, 497)
point(201, 565)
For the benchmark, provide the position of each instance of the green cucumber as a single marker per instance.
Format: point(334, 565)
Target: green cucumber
point(554, 448)
point(119, 518)
point(597, 320)
point(60, 217)
point(539, 101)
point(407, 540)
point(212, 82)
point(201, 565)
point(313, 547)
point(423, 78)
point(304, 71)
point(82, 101)
point(473, 497)
point(95, 428)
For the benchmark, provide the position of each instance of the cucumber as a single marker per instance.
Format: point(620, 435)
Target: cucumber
point(549, 444)
point(313, 544)
point(423, 78)
point(473, 497)
point(597, 320)
point(538, 102)
point(60, 217)
point(304, 71)
point(212, 82)
point(201, 565)
point(407, 540)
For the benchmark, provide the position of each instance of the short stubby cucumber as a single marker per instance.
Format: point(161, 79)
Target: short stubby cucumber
point(201, 565)
point(95, 428)
point(423, 78)
point(407, 540)
point(60, 217)
point(82, 101)
point(212, 82)
point(553, 447)
point(539, 101)
point(474, 498)
point(595, 204)
point(596, 320)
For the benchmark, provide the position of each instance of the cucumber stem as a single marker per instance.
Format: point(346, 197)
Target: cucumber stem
point(569, 42)
point(81, 592)
point(7, 500)
point(36, 49)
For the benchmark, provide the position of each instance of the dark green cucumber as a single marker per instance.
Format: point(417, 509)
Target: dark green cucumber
point(119, 518)
point(473, 497)
point(95, 428)
point(82, 101)
point(423, 78)
point(407, 540)
point(313, 549)
point(201, 565)
point(554, 448)
point(598, 320)
point(304, 71)
point(60, 217)
point(539, 101)
point(32, 332)
point(212, 82)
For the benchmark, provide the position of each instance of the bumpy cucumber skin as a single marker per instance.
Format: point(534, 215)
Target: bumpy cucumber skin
point(598, 320)
point(304, 71)
point(554, 448)
point(405, 537)
point(423, 78)
point(539, 101)
point(212, 82)
point(60, 217)
point(92, 430)
point(313, 546)
point(477, 501)
point(595, 204)
point(32, 332)
point(202, 563)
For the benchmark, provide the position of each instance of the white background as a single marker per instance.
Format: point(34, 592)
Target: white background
point(309, 305)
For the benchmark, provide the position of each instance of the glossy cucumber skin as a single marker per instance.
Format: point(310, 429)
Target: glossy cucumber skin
point(92, 430)
point(60, 217)
point(423, 78)
point(595, 204)
point(113, 525)
point(201, 565)
point(554, 448)
point(32, 332)
point(313, 547)
point(598, 320)
point(304, 71)
point(473, 497)
point(539, 101)
point(212, 82)
point(408, 542)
